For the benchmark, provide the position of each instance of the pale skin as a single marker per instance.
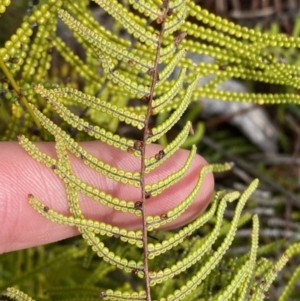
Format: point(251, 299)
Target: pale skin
point(20, 175)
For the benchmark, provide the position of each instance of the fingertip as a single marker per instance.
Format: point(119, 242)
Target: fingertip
point(21, 177)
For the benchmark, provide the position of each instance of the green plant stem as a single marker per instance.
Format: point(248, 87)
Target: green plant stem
point(18, 91)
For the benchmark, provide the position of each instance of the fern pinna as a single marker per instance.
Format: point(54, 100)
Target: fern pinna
point(130, 80)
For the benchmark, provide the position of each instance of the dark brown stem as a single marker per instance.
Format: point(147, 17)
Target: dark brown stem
point(147, 130)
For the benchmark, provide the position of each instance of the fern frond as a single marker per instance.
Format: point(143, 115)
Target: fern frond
point(108, 47)
point(86, 17)
point(177, 19)
point(75, 61)
point(115, 71)
point(98, 246)
point(70, 179)
point(216, 257)
point(245, 276)
point(171, 179)
point(112, 172)
point(47, 24)
point(79, 123)
point(17, 295)
point(169, 68)
point(285, 295)
point(129, 266)
point(89, 234)
point(163, 103)
point(262, 289)
point(191, 259)
point(133, 237)
point(174, 240)
point(35, 153)
point(121, 78)
point(52, 96)
point(160, 130)
point(3, 6)
point(263, 265)
point(147, 9)
point(152, 162)
point(247, 97)
point(157, 221)
point(132, 23)
point(13, 126)
point(119, 296)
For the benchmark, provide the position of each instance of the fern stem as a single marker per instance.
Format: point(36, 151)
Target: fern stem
point(18, 91)
point(143, 149)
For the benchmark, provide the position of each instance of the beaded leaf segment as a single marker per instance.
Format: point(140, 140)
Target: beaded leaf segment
point(116, 71)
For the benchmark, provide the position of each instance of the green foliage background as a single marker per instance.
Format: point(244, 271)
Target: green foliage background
point(69, 270)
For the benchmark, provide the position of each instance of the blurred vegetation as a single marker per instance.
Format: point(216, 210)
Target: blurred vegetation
point(69, 270)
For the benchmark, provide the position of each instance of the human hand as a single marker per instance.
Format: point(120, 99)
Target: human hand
point(20, 175)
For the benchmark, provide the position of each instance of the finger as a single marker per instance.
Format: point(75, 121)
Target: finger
point(20, 175)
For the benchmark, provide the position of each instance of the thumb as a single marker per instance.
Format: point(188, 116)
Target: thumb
point(20, 175)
